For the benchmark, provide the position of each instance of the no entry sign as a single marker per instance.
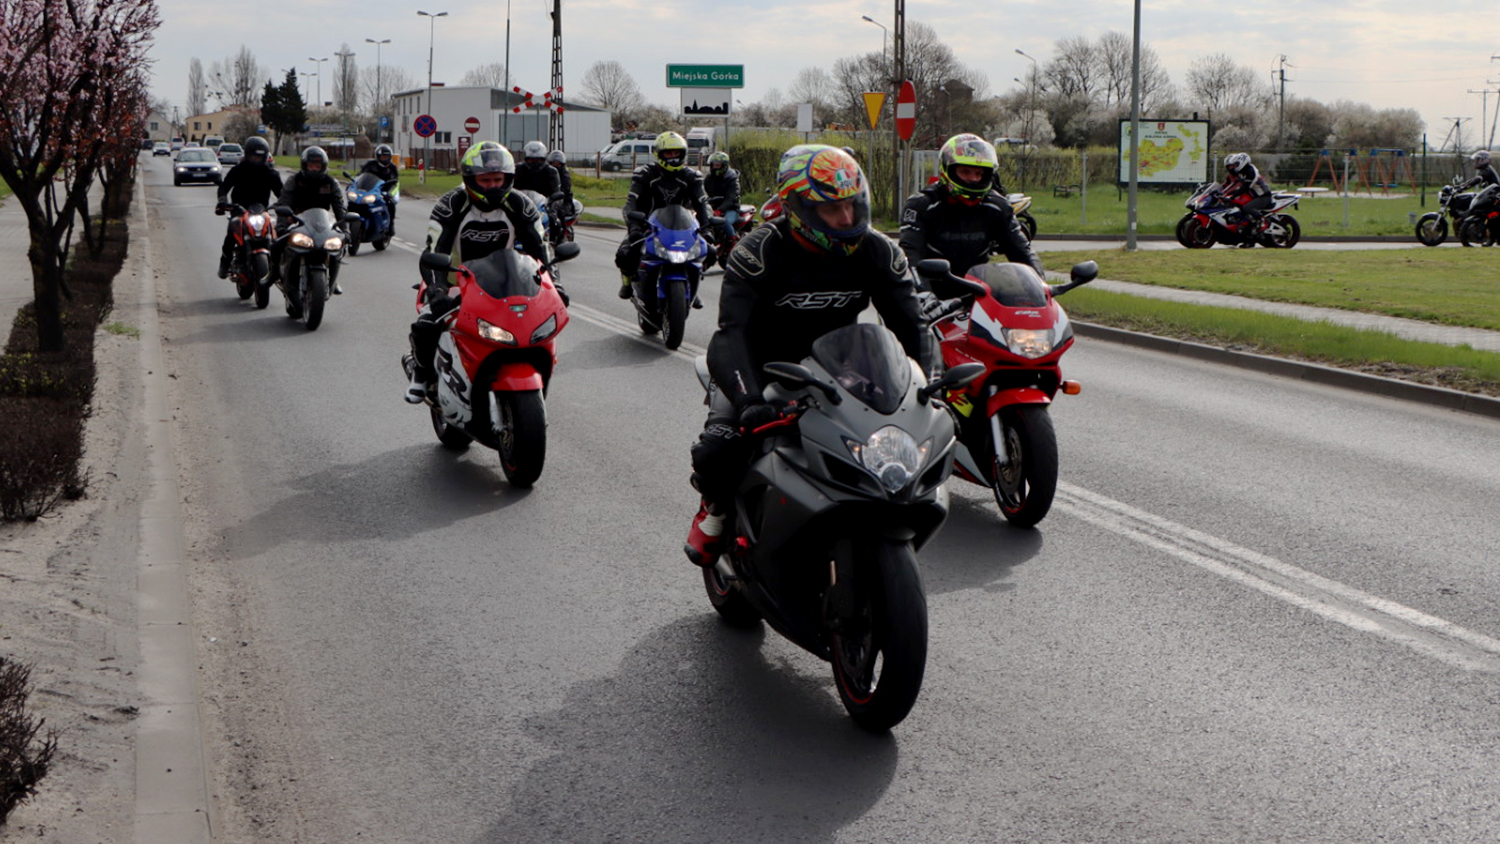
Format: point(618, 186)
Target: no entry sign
point(471, 125)
point(906, 110)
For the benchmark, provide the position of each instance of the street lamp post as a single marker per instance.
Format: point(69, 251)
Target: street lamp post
point(320, 77)
point(1031, 100)
point(885, 58)
point(379, 100)
point(431, 31)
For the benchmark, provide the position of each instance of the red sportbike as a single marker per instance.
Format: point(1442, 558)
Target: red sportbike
point(495, 357)
point(253, 229)
point(1007, 318)
point(742, 226)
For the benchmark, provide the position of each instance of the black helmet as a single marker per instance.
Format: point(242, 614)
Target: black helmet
point(255, 146)
point(314, 156)
point(383, 153)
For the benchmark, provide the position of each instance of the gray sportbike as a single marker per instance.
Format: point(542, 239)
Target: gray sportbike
point(841, 493)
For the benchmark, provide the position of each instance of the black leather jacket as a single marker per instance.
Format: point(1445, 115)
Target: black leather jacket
point(654, 186)
point(321, 191)
point(723, 190)
point(385, 172)
point(934, 225)
point(541, 178)
point(778, 297)
point(1485, 175)
point(250, 184)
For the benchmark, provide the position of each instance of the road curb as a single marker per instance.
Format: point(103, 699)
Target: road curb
point(172, 784)
point(1311, 372)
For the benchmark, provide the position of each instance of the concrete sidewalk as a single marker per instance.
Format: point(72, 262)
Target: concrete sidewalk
point(15, 267)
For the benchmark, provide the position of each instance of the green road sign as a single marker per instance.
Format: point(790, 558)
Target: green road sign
point(705, 76)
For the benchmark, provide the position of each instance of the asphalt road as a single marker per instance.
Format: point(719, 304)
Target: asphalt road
point(1259, 610)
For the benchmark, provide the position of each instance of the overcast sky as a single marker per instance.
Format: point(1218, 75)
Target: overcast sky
point(1382, 52)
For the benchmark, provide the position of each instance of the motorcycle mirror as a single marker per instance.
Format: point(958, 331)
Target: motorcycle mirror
point(1080, 275)
point(284, 211)
point(934, 267)
point(959, 376)
point(351, 217)
point(797, 375)
point(347, 176)
point(556, 197)
point(566, 251)
point(638, 216)
point(436, 261)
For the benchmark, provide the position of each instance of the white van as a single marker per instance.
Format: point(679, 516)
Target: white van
point(627, 155)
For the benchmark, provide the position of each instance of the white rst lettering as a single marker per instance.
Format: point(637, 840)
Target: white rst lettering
point(813, 301)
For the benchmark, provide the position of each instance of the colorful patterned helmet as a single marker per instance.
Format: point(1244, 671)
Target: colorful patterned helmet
point(671, 150)
point(314, 161)
point(811, 175)
point(967, 151)
point(718, 163)
point(488, 157)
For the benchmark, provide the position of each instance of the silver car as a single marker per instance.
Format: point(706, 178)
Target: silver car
point(196, 164)
point(230, 154)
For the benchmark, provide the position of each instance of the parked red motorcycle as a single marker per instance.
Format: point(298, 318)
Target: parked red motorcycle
point(1006, 317)
point(496, 356)
point(253, 229)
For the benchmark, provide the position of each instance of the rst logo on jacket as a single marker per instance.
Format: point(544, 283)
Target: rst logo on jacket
point(824, 299)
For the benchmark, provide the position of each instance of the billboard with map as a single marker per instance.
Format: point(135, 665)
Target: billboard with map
point(1173, 152)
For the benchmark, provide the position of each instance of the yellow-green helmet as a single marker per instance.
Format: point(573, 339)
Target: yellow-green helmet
point(972, 151)
point(488, 157)
point(671, 150)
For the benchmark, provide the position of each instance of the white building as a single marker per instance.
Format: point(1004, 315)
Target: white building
point(454, 109)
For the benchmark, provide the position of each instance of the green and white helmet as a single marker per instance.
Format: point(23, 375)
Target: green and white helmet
point(971, 151)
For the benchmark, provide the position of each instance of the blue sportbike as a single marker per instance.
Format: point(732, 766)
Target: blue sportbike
point(367, 194)
point(666, 283)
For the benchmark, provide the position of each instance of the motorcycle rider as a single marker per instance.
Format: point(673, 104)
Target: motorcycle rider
point(657, 185)
point(722, 184)
point(787, 283)
point(559, 162)
point(1484, 174)
point(251, 182)
point(535, 174)
point(1246, 187)
point(385, 169)
point(312, 187)
point(961, 216)
point(479, 217)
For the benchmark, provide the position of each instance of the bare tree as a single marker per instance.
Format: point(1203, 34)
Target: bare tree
point(1216, 83)
point(609, 85)
point(346, 81)
point(1114, 51)
point(1075, 69)
point(197, 98)
point(814, 85)
point(237, 80)
point(392, 79)
point(492, 74)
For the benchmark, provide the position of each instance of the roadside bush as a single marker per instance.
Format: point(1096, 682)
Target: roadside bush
point(25, 753)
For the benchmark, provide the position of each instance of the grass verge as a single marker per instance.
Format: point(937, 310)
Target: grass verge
point(1373, 352)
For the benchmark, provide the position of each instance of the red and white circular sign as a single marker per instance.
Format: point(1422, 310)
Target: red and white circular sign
point(471, 125)
point(906, 110)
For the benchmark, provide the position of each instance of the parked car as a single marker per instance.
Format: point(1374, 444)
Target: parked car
point(176, 144)
point(230, 154)
point(161, 148)
point(146, 143)
point(213, 142)
point(196, 165)
point(626, 155)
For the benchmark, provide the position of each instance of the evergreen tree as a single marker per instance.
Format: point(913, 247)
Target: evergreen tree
point(282, 108)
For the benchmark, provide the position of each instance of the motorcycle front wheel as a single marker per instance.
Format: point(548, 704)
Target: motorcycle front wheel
point(523, 436)
point(731, 604)
point(1025, 485)
point(317, 296)
point(1192, 233)
point(1288, 236)
point(261, 268)
point(880, 654)
point(452, 438)
point(677, 309)
point(1432, 229)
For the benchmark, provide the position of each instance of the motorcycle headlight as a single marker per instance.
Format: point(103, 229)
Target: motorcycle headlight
point(1029, 342)
point(679, 256)
point(257, 224)
point(495, 333)
point(545, 330)
point(333, 244)
point(353, 197)
point(302, 240)
point(892, 456)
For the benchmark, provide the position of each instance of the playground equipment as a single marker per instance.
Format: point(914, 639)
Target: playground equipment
point(1378, 168)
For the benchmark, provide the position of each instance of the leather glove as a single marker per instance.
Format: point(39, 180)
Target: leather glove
point(221, 208)
point(758, 414)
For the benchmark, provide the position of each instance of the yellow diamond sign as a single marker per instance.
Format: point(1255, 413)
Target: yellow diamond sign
point(874, 100)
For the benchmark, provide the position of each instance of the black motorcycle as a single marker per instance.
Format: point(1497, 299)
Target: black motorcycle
point(312, 249)
point(1480, 225)
point(1432, 227)
point(829, 516)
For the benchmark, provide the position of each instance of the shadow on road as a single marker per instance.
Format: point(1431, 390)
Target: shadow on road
point(730, 746)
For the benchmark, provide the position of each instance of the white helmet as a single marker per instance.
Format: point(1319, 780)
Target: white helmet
point(1481, 158)
point(534, 149)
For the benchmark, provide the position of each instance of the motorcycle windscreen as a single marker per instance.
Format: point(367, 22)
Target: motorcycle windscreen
point(1012, 285)
point(367, 183)
point(868, 361)
point(317, 220)
point(506, 272)
point(676, 226)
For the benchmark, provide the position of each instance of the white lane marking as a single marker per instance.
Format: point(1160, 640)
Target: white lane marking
point(1425, 634)
point(630, 330)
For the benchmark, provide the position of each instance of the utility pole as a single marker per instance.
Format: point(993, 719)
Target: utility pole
point(431, 31)
point(1456, 133)
point(555, 138)
point(1484, 119)
point(898, 52)
point(1280, 73)
point(346, 77)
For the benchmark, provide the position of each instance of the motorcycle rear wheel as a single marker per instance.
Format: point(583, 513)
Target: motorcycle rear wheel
point(523, 436)
point(261, 267)
point(317, 296)
point(1024, 488)
point(1289, 236)
point(677, 310)
point(1194, 235)
point(1432, 229)
point(381, 243)
point(880, 655)
point(1473, 232)
point(1028, 224)
point(731, 604)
